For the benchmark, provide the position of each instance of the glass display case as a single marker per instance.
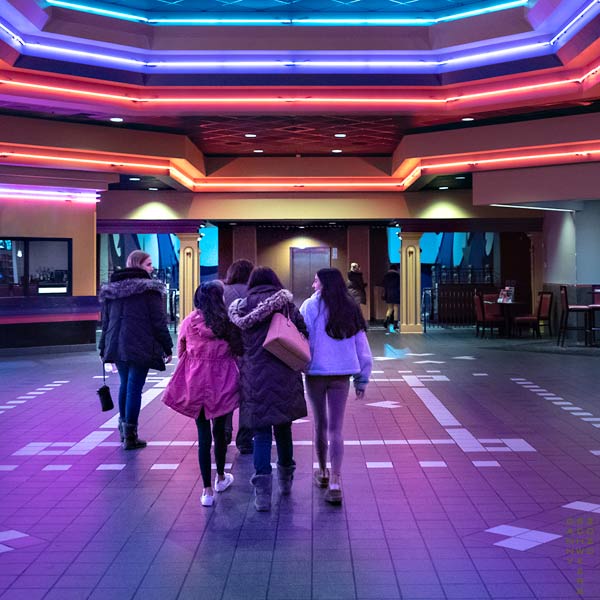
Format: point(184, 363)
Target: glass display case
point(35, 266)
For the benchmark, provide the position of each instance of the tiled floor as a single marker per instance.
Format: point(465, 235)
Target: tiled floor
point(470, 472)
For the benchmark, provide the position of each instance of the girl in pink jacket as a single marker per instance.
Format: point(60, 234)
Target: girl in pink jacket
point(204, 385)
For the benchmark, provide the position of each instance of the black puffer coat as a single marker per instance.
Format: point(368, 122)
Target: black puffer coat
point(134, 322)
point(272, 393)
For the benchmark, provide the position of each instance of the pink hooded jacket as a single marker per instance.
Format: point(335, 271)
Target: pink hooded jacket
point(206, 376)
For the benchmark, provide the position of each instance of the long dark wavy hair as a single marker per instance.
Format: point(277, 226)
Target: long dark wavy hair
point(264, 276)
point(239, 272)
point(344, 316)
point(208, 299)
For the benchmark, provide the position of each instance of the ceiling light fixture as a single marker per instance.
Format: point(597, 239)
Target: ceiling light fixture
point(153, 189)
point(116, 119)
point(336, 151)
point(467, 119)
point(340, 135)
point(460, 177)
point(258, 151)
point(443, 187)
point(250, 135)
point(135, 179)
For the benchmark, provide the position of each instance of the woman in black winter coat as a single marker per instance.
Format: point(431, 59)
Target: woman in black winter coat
point(272, 393)
point(134, 336)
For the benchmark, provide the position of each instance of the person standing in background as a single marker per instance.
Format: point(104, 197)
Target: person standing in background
point(134, 336)
point(236, 286)
point(391, 296)
point(356, 284)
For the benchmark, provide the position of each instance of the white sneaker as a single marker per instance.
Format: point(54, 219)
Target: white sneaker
point(207, 499)
point(221, 486)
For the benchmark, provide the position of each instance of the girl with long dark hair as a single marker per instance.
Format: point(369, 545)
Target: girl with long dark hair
point(339, 349)
point(205, 384)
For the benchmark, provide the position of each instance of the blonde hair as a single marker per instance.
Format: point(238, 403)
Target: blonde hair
point(136, 258)
point(354, 267)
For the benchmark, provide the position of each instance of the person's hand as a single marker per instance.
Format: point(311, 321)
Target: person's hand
point(168, 359)
point(360, 394)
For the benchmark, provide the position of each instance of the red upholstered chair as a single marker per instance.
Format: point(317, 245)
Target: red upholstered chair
point(567, 309)
point(540, 319)
point(492, 313)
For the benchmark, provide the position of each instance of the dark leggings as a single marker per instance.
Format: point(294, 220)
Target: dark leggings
point(204, 442)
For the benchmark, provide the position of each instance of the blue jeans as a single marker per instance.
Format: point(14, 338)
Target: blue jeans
point(133, 378)
point(262, 447)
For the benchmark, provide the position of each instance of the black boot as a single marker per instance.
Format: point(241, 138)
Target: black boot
point(286, 477)
point(132, 441)
point(262, 491)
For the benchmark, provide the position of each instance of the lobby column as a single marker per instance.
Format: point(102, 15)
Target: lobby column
point(536, 256)
point(410, 283)
point(189, 271)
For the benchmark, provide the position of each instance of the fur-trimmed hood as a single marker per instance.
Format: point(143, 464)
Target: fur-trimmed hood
point(130, 287)
point(263, 310)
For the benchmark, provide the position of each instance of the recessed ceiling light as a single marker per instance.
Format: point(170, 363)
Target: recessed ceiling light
point(300, 226)
point(153, 189)
point(443, 187)
point(134, 179)
point(467, 119)
point(340, 135)
point(336, 151)
point(116, 119)
point(460, 177)
point(250, 135)
point(258, 151)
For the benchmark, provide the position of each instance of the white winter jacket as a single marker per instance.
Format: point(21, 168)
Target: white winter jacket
point(350, 356)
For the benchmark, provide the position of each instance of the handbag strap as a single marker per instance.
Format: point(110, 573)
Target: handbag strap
point(103, 373)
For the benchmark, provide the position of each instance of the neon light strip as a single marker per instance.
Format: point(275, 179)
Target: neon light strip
point(52, 194)
point(287, 21)
point(476, 162)
point(577, 19)
point(285, 63)
point(312, 100)
point(85, 161)
point(533, 207)
point(523, 51)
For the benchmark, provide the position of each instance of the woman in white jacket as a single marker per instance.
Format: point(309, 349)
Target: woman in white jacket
point(339, 349)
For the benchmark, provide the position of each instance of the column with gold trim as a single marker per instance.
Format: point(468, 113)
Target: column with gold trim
point(189, 271)
point(410, 283)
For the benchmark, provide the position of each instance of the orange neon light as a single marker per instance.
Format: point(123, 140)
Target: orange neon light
point(476, 162)
point(84, 161)
point(132, 97)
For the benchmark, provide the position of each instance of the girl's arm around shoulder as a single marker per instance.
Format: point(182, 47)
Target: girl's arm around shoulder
point(298, 320)
point(235, 340)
